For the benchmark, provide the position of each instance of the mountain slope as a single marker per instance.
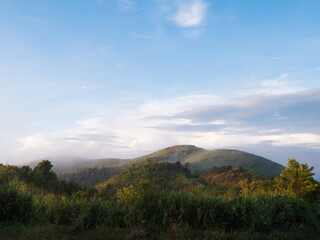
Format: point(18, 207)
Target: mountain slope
point(199, 159)
point(91, 176)
point(205, 161)
point(170, 154)
point(225, 180)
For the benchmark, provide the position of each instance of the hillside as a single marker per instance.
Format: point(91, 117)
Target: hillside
point(162, 175)
point(226, 181)
point(170, 154)
point(91, 176)
point(205, 161)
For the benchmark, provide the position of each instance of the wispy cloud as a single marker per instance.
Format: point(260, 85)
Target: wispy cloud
point(125, 5)
point(90, 87)
point(151, 37)
point(317, 69)
point(190, 13)
point(281, 84)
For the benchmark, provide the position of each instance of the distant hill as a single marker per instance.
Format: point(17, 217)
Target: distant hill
point(91, 172)
point(64, 164)
point(91, 176)
point(205, 161)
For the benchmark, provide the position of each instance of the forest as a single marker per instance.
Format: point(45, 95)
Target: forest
point(159, 200)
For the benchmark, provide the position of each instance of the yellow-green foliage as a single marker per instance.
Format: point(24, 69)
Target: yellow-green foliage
point(127, 194)
point(132, 193)
point(296, 179)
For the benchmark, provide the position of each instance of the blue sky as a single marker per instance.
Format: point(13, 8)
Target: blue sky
point(121, 78)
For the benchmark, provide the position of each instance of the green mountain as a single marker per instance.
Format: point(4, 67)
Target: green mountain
point(205, 161)
point(170, 154)
point(91, 172)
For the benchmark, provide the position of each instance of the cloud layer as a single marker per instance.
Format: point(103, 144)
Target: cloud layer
point(272, 118)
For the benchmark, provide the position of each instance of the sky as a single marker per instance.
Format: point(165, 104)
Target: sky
point(122, 78)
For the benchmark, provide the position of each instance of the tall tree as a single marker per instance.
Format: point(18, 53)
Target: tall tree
point(44, 175)
point(296, 179)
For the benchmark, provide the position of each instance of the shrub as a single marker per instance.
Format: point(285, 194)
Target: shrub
point(63, 210)
point(287, 211)
point(15, 206)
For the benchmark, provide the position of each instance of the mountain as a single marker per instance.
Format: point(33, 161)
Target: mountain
point(203, 160)
point(170, 154)
point(206, 160)
point(91, 172)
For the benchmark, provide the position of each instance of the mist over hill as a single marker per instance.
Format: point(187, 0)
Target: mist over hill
point(198, 160)
point(63, 164)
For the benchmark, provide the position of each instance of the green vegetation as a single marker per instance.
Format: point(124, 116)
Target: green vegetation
point(204, 161)
point(198, 160)
point(170, 154)
point(296, 180)
point(91, 176)
point(160, 200)
point(163, 176)
point(225, 181)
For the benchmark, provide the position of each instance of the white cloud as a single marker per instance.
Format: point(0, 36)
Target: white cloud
point(125, 5)
point(218, 122)
point(276, 86)
point(317, 69)
point(190, 14)
point(173, 106)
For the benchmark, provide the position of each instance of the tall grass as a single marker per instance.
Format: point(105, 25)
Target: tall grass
point(160, 211)
point(15, 206)
point(264, 213)
point(98, 213)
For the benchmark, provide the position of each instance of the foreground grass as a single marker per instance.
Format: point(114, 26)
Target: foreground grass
point(53, 232)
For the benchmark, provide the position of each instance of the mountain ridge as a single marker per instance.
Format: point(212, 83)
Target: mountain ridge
point(198, 159)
